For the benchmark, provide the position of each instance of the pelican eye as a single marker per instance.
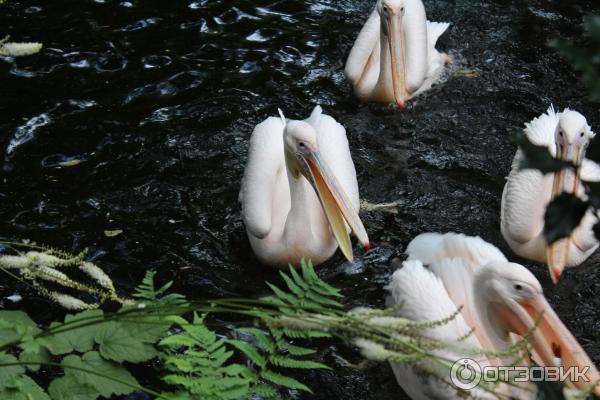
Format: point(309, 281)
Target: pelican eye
point(301, 145)
point(560, 133)
point(581, 134)
point(518, 287)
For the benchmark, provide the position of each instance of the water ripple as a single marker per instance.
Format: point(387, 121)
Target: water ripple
point(141, 24)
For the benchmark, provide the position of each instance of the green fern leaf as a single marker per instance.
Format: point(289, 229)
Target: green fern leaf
point(238, 391)
point(260, 336)
point(299, 281)
point(221, 359)
point(249, 351)
point(297, 290)
point(177, 341)
point(183, 364)
point(323, 300)
point(283, 295)
point(316, 283)
point(284, 381)
point(286, 362)
point(304, 334)
point(145, 290)
point(241, 370)
point(266, 391)
point(295, 350)
point(216, 346)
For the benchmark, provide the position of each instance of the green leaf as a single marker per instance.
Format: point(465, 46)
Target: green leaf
point(299, 281)
point(24, 388)
point(9, 373)
point(286, 362)
point(264, 341)
point(284, 381)
point(176, 396)
point(317, 298)
point(68, 388)
point(233, 388)
point(283, 295)
point(295, 350)
point(70, 337)
point(317, 284)
point(250, 352)
point(264, 390)
point(147, 291)
point(297, 290)
point(40, 356)
point(105, 376)
point(118, 344)
point(14, 325)
point(147, 327)
point(177, 341)
point(562, 216)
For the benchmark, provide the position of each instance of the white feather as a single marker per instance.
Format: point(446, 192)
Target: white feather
point(265, 162)
point(527, 192)
point(424, 297)
point(266, 193)
point(372, 80)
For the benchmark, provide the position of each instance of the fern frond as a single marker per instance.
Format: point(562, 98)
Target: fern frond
point(261, 337)
point(286, 362)
point(284, 381)
point(266, 391)
point(249, 351)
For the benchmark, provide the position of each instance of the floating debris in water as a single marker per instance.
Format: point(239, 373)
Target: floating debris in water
point(15, 298)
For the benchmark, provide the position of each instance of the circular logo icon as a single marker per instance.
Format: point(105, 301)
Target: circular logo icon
point(465, 374)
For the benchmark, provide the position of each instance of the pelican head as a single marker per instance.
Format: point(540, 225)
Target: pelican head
point(304, 159)
point(404, 29)
point(510, 300)
point(572, 137)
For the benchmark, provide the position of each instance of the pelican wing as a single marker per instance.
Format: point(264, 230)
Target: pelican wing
point(527, 191)
point(364, 48)
point(334, 148)
point(431, 248)
point(454, 258)
point(434, 31)
point(590, 171)
point(425, 298)
point(265, 162)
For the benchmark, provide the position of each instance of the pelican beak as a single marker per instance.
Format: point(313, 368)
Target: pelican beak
point(553, 344)
point(396, 41)
point(336, 203)
point(566, 180)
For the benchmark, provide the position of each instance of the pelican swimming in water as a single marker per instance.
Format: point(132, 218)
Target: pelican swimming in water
point(394, 57)
point(299, 193)
point(527, 193)
point(499, 299)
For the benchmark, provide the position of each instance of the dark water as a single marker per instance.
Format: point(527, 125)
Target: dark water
point(158, 100)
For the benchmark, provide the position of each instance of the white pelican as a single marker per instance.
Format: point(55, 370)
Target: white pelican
point(528, 192)
point(500, 300)
point(394, 57)
point(299, 187)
